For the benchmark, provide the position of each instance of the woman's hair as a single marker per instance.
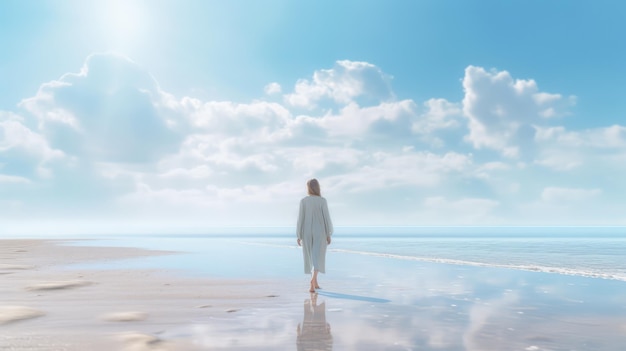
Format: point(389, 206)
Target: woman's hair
point(314, 187)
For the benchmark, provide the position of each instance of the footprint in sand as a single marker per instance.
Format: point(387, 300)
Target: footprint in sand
point(124, 316)
point(144, 342)
point(58, 285)
point(9, 314)
point(14, 267)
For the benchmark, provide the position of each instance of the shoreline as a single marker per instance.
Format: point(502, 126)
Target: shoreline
point(52, 300)
point(522, 268)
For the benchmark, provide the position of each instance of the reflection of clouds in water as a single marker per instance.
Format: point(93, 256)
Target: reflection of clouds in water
point(419, 312)
point(484, 317)
point(432, 308)
point(266, 331)
point(409, 284)
point(368, 336)
point(314, 331)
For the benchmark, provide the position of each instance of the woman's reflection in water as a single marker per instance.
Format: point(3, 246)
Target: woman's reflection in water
point(314, 331)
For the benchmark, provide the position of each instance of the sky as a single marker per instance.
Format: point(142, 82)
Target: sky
point(181, 116)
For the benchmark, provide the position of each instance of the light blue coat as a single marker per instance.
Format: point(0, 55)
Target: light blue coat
point(314, 227)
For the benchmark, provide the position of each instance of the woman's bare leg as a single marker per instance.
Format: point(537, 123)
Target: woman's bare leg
point(314, 284)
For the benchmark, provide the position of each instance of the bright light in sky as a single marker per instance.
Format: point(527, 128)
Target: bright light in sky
point(122, 24)
point(123, 19)
point(120, 116)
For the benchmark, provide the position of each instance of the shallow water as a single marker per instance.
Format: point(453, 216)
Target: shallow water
point(589, 252)
point(410, 293)
point(431, 307)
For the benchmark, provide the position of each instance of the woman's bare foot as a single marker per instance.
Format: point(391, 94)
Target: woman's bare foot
point(314, 284)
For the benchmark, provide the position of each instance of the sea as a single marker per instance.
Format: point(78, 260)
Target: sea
point(595, 252)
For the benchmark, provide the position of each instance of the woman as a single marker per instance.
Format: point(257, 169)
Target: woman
point(314, 231)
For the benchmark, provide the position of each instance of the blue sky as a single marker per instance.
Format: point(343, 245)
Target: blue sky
point(120, 116)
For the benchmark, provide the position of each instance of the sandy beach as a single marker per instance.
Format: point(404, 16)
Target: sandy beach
point(44, 306)
point(57, 296)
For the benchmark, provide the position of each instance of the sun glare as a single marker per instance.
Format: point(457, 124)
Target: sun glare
point(124, 21)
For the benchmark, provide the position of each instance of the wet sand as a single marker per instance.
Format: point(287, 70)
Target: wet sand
point(45, 306)
point(50, 300)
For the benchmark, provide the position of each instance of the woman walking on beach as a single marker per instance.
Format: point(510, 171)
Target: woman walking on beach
point(314, 231)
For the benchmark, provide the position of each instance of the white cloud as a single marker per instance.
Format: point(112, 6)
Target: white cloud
point(440, 114)
point(385, 170)
point(228, 118)
point(13, 179)
point(501, 111)
point(388, 118)
point(558, 205)
point(565, 150)
point(613, 137)
point(226, 157)
point(486, 170)
point(565, 196)
point(560, 160)
point(546, 98)
point(212, 205)
point(440, 117)
point(17, 136)
point(23, 152)
point(466, 210)
point(272, 88)
point(316, 160)
point(199, 172)
point(108, 111)
point(343, 83)
point(109, 135)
